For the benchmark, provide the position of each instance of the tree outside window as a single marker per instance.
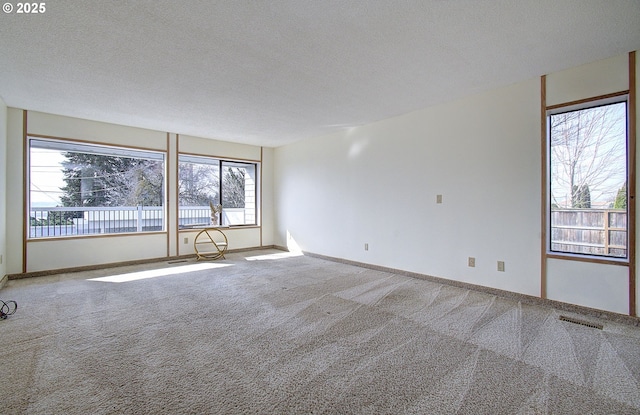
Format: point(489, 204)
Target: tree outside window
point(83, 189)
point(588, 176)
point(203, 181)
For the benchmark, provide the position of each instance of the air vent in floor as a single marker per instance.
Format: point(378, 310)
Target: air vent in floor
point(581, 322)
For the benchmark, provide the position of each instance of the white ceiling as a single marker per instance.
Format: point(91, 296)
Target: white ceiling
point(273, 72)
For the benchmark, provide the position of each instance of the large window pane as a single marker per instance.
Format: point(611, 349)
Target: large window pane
point(588, 180)
point(205, 182)
point(82, 189)
point(239, 193)
point(198, 190)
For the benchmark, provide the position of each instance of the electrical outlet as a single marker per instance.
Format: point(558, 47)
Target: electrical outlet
point(366, 247)
point(438, 198)
point(501, 266)
point(0, 259)
point(472, 261)
point(186, 240)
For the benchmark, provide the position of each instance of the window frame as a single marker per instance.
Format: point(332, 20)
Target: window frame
point(95, 148)
point(621, 97)
point(220, 162)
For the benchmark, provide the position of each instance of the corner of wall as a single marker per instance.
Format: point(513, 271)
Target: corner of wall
point(13, 186)
point(267, 197)
point(3, 191)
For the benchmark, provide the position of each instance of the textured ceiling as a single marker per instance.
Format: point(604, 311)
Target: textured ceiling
point(273, 72)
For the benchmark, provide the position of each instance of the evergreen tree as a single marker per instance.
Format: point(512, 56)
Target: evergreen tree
point(621, 198)
point(99, 180)
point(581, 197)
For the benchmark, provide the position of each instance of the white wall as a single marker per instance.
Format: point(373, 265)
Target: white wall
point(377, 184)
point(600, 286)
point(3, 188)
point(60, 253)
point(587, 81)
point(216, 148)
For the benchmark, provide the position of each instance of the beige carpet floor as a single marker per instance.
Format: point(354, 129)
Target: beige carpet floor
point(269, 333)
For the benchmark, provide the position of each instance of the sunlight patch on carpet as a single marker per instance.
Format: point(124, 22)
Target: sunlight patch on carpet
point(161, 272)
point(281, 255)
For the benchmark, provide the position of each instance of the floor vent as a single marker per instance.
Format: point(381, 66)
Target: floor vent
point(581, 322)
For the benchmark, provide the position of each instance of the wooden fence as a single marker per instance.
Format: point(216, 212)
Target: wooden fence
point(589, 231)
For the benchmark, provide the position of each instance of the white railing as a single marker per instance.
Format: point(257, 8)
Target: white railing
point(190, 216)
point(68, 221)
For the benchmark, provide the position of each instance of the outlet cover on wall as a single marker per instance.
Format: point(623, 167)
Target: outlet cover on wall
point(438, 198)
point(501, 266)
point(366, 247)
point(186, 240)
point(472, 261)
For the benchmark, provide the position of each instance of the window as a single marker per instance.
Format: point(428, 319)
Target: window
point(204, 182)
point(588, 180)
point(85, 189)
